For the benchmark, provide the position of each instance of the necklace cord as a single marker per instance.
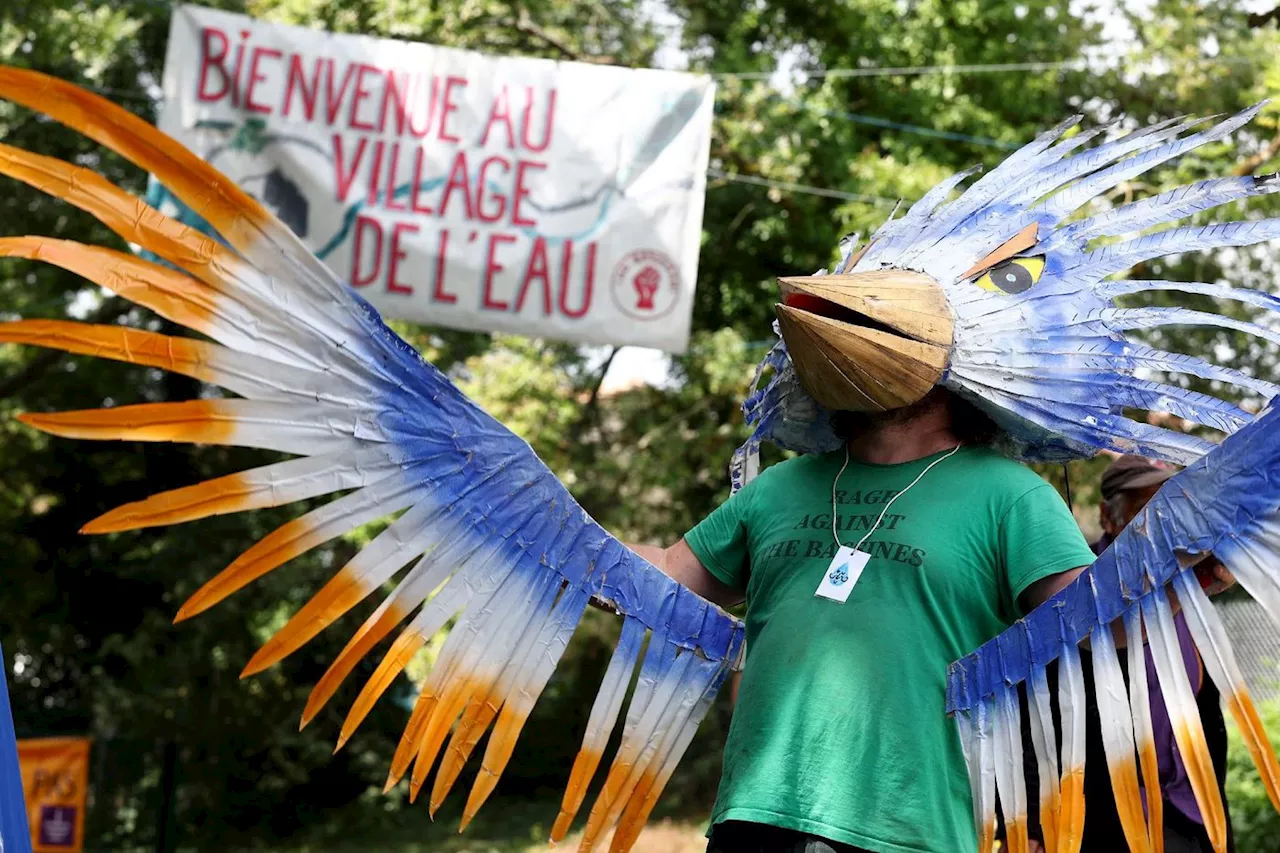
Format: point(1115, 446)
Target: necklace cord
point(836, 482)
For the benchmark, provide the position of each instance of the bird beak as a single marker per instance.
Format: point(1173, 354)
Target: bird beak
point(868, 341)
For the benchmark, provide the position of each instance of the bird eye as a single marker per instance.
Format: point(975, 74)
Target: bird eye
point(1012, 276)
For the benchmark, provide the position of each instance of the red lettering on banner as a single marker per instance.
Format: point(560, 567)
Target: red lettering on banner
point(419, 160)
point(501, 110)
point(546, 127)
point(375, 173)
point(297, 76)
point(397, 255)
point(375, 227)
point(394, 89)
point(522, 192)
point(430, 104)
point(438, 293)
point(332, 100)
point(589, 276)
point(449, 108)
point(210, 60)
point(537, 268)
point(235, 72)
point(353, 118)
point(458, 179)
point(344, 180)
point(393, 166)
point(256, 77)
point(491, 267)
point(482, 182)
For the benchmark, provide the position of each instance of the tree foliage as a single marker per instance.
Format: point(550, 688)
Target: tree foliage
point(86, 620)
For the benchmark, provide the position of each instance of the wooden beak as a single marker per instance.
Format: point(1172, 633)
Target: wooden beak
point(869, 341)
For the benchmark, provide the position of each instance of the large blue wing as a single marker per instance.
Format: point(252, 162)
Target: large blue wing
point(1226, 504)
point(492, 539)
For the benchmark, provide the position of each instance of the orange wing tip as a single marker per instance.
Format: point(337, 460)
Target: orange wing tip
point(108, 522)
point(259, 662)
point(360, 645)
point(198, 603)
point(183, 614)
point(484, 785)
point(392, 781)
point(309, 714)
point(63, 424)
point(561, 828)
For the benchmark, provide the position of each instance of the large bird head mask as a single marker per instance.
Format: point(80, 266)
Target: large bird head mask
point(1006, 297)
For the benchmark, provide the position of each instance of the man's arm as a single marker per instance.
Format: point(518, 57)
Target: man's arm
point(1045, 588)
point(683, 566)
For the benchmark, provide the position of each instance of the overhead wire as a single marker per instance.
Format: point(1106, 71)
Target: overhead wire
point(911, 70)
point(789, 186)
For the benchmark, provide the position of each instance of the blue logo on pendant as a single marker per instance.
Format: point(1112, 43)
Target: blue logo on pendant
point(838, 576)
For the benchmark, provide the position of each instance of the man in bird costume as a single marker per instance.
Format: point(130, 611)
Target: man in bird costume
point(996, 301)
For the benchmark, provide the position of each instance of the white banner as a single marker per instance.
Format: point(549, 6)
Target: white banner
point(558, 199)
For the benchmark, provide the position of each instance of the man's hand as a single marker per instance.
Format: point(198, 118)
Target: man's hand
point(1034, 846)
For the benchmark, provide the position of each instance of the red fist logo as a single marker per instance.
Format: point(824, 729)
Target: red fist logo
point(646, 284)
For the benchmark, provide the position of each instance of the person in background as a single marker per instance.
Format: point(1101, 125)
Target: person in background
point(1127, 485)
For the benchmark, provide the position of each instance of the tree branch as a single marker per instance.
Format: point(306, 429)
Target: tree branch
point(604, 371)
point(525, 24)
point(1261, 19)
point(1252, 164)
point(109, 311)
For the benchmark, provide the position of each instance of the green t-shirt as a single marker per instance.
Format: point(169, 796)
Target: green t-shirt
point(840, 727)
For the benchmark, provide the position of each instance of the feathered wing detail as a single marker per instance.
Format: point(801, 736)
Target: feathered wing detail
point(490, 538)
point(1117, 737)
point(1144, 731)
point(1044, 742)
point(1210, 636)
point(1010, 784)
point(604, 715)
point(1188, 733)
point(979, 754)
point(1226, 504)
point(1071, 704)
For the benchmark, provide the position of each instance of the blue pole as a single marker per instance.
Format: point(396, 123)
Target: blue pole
point(15, 835)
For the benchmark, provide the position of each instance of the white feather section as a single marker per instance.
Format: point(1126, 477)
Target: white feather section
point(1071, 704)
point(1210, 637)
point(1175, 687)
point(1044, 741)
point(1117, 737)
point(1009, 777)
point(979, 755)
point(1144, 732)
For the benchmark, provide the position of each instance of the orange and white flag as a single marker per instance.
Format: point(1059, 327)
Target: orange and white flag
point(55, 777)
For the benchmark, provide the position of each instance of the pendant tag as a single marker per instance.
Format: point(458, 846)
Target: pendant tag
point(845, 569)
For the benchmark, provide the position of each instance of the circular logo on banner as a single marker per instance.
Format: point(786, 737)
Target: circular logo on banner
point(645, 284)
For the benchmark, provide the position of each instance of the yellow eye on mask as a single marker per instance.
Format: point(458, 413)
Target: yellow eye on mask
point(1012, 276)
